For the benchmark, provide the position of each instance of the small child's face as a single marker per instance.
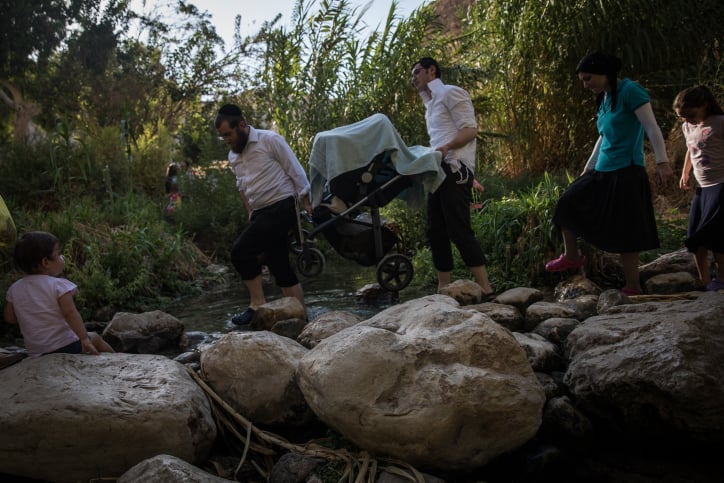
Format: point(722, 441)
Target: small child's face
point(692, 115)
point(54, 265)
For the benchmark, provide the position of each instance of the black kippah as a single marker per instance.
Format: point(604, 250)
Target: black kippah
point(230, 110)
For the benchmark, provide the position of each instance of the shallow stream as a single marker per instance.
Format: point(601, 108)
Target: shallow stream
point(334, 289)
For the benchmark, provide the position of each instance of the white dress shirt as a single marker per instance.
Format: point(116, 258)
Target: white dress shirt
point(447, 110)
point(267, 170)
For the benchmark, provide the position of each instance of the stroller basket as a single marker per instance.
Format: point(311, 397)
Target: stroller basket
point(353, 238)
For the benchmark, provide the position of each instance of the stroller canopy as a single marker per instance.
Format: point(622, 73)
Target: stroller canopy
point(353, 146)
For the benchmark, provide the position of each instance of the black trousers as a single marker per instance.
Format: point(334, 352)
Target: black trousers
point(267, 234)
point(448, 221)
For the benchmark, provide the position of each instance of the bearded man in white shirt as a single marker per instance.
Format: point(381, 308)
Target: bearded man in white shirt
point(270, 180)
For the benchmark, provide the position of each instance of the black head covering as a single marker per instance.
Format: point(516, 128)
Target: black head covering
point(599, 63)
point(602, 64)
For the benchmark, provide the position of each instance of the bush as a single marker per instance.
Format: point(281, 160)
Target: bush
point(121, 254)
point(212, 212)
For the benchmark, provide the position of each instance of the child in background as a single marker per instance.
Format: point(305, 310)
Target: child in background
point(41, 302)
point(703, 128)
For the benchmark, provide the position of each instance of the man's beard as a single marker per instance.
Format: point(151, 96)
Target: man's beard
point(241, 139)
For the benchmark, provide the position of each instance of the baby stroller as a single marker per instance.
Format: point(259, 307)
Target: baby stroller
point(354, 171)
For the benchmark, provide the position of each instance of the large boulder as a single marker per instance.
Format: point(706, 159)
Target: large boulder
point(254, 373)
point(167, 469)
point(73, 417)
point(426, 382)
point(653, 369)
point(144, 333)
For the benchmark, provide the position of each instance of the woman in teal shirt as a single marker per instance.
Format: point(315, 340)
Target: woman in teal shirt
point(610, 204)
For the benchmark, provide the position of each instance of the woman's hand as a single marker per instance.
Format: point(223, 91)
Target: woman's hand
point(664, 171)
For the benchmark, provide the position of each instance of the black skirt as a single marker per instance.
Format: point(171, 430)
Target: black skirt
point(706, 219)
point(611, 210)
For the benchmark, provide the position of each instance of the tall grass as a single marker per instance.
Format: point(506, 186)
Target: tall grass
point(121, 254)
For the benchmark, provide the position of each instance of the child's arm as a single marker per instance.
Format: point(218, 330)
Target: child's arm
point(75, 321)
point(9, 313)
point(685, 172)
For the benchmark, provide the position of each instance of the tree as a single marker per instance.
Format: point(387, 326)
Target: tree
point(321, 73)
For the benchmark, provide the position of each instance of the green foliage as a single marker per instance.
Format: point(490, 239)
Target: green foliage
point(212, 212)
point(30, 32)
point(518, 235)
point(536, 115)
point(320, 74)
point(671, 226)
point(121, 254)
point(74, 162)
point(409, 223)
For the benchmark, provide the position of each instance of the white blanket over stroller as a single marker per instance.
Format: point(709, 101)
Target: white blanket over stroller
point(353, 146)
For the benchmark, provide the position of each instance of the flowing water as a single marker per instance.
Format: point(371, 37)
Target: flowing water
point(334, 289)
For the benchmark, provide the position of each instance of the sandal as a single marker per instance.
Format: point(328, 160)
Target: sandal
point(564, 263)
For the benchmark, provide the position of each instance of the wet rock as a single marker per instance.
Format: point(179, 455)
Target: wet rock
point(270, 313)
point(670, 283)
point(144, 333)
point(563, 422)
point(506, 315)
point(374, 294)
point(610, 298)
point(574, 287)
point(520, 297)
point(556, 329)
point(294, 467)
point(290, 328)
point(540, 311)
point(542, 355)
point(679, 261)
point(584, 306)
point(551, 386)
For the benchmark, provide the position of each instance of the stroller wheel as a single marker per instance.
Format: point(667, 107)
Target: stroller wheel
point(310, 262)
point(295, 246)
point(394, 272)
